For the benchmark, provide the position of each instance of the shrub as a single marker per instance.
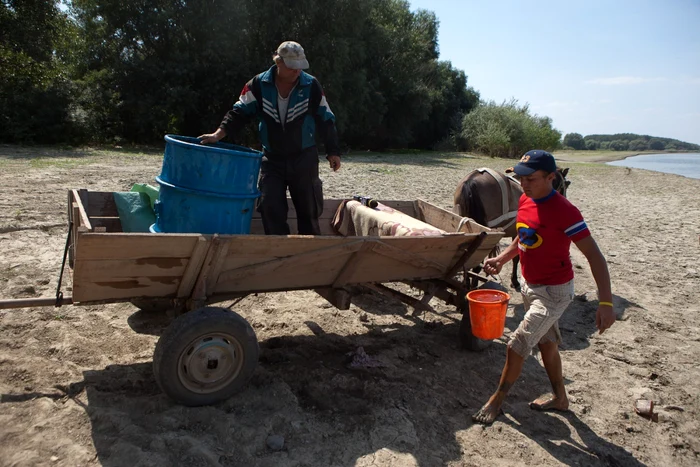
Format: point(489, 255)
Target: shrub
point(506, 130)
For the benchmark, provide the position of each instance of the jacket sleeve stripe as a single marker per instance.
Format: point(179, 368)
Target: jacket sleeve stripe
point(246, 102)
point(324, 110)
point(247, 97)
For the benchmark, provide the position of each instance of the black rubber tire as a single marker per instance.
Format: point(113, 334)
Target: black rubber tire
point(199, 343)
point(467, 339)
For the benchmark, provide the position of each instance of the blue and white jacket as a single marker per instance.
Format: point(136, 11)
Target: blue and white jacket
point(308, 113)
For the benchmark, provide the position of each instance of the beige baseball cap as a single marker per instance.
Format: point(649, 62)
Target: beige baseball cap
point(292, 53)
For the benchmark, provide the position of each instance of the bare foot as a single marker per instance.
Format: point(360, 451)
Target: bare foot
point(487, 414)
point(549, 403)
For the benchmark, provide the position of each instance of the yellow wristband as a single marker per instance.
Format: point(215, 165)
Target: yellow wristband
point(605, 303)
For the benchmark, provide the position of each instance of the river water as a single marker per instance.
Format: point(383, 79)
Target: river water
point(686, 164)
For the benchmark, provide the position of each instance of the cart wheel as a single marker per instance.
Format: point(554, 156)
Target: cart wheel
point(467, 339)
point(205, 356)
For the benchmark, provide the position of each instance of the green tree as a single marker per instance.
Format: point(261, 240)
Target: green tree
point(574, 141)
point(628, 137)
point(450, 100)
point(35, 66)
point(618, 145)
point(592, 145)
point(638, 145)
point(656, 144)
point(152, 67)
point(155, 66)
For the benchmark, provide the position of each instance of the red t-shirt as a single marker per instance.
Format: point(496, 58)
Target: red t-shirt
point(546, 227)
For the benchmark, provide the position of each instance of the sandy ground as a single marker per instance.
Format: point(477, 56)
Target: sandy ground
point(76, 383)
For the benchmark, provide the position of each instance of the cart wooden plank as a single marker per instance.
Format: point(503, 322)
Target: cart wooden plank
point(101, 204)
point(110, 224)
point(108, 269)
point(252, 249)
point(409, 257)
point(117, 289)
point(82, 216)
point(194, 266)
point(352, 264)
point(391, 259)
point(104, 246)
point(313, 268)
point(112, 266)
point(199, 292)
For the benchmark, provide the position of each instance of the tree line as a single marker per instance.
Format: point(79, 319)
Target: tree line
point(111, 71)
point(626, 142)
point(82, 71)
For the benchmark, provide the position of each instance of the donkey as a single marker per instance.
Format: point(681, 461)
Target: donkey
point(491, 199)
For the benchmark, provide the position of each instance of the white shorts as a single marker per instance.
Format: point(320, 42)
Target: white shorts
point(544, 305)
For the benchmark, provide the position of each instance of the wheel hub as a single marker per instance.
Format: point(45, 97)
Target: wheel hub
point(210, 363)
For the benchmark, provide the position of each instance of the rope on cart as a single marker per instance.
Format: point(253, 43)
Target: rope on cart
point(59, 294)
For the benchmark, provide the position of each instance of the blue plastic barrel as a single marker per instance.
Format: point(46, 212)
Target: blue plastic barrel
point(206, 188)
point(181, 210)
point(217, 168)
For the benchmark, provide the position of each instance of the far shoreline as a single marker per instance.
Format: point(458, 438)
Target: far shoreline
point(604, 156)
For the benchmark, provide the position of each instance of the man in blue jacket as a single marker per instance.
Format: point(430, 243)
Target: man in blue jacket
point(291, 110)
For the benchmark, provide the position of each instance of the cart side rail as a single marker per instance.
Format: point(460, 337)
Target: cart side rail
point(259, 263)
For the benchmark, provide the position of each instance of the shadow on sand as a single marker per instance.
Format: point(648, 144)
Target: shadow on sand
point(570, 441)
point(413, 400)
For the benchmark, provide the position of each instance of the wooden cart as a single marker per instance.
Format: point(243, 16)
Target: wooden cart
point(209, 353)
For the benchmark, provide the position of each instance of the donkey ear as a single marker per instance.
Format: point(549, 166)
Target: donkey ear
point(565, 171)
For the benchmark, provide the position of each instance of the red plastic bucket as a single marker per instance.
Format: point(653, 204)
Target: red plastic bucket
point(487, 312)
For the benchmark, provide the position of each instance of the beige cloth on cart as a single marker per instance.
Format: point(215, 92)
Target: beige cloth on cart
point(354, 219)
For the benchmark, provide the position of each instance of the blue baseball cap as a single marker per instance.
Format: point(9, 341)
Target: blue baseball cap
point(535, 160)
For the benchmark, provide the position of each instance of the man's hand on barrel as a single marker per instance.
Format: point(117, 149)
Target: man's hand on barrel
point(211, 138)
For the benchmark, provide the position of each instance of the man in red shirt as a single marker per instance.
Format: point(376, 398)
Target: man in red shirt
point(547, 224)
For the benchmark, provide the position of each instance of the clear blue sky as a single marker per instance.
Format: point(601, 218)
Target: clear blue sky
point(593, 66)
